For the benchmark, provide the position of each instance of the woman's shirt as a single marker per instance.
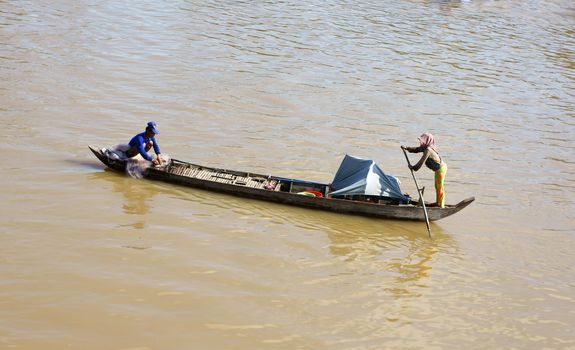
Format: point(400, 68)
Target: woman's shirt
point(430, 157)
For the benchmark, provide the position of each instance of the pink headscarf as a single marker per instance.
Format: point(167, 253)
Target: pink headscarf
point(427, 140)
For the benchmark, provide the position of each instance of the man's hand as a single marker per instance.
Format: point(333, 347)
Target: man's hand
point(157, 161)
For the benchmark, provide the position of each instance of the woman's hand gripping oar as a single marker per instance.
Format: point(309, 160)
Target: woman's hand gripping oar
point(418, 192)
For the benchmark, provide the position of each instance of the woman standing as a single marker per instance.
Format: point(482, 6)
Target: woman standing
point(433, 161)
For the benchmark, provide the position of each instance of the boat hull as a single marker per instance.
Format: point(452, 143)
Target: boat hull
point(226, 181)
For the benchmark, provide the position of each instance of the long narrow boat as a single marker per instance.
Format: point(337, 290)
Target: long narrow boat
point(283, 190)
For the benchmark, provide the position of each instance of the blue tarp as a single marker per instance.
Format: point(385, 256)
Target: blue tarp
point(357, 176)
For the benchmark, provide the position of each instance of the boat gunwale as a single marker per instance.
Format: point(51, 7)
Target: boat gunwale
point(389, 211)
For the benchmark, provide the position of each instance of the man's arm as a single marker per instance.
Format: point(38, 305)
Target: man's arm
point(157, 150)
point(156, 146)
point(142, 150)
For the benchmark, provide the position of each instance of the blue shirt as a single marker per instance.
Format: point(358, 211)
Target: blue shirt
point(139, 141)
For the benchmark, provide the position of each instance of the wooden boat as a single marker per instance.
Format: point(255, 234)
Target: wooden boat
point(283, 190)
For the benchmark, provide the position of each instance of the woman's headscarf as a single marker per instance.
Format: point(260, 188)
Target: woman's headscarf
point(427, 140)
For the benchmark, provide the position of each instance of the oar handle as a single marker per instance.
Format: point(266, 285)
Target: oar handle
point(406, 157)
point(419, 193)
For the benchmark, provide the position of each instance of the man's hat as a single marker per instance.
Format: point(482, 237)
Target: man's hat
point(153, 127)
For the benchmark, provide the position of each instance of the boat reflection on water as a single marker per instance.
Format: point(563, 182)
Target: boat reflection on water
point(398, 250)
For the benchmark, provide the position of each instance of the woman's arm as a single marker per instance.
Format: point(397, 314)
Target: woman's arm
point(412, 149)
point(424, 157)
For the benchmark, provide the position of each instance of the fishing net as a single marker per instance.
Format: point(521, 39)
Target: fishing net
point(136, 166)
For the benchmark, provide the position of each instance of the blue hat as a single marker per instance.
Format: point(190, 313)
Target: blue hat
point(152, 126)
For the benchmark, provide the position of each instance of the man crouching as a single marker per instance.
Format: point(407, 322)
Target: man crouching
point(143, 142)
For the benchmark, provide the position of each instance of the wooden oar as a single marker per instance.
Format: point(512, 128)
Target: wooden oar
point(418, 192)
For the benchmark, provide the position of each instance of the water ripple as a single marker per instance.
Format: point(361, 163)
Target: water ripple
point(286, 88)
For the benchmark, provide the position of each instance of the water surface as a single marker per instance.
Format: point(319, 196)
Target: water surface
point(91, 259)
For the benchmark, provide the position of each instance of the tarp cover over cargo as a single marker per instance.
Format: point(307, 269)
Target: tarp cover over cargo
point(357, 176)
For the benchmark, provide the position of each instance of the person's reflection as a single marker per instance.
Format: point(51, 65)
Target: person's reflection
point(136, 202)
point(137, 195)
point(402, 247)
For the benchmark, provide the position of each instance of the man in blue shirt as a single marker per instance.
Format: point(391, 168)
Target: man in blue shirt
point(141, 144)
